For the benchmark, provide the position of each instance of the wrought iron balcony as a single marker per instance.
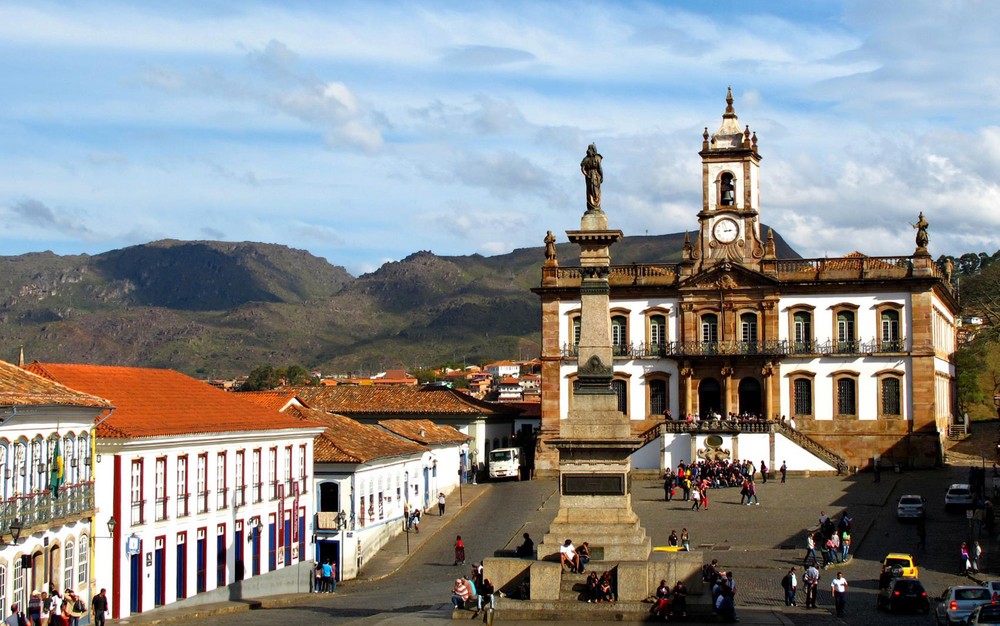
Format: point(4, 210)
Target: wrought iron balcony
point(771, 348)
point(39, 510)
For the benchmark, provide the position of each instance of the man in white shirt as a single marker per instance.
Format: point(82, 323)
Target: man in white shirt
point(567, 554)
point(839, 590)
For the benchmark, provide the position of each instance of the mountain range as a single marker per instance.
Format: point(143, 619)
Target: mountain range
point(218, 309)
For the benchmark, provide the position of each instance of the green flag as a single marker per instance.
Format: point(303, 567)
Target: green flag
point(58, 471)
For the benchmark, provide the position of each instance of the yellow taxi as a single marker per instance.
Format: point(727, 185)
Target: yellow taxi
point(901, 563)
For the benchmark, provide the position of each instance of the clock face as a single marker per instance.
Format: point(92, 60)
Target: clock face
point(726, 231)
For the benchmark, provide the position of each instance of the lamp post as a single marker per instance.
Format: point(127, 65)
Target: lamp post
point(15, 532)
point(112, 524)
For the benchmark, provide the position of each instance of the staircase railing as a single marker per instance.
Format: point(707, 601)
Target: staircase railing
point(813, 446)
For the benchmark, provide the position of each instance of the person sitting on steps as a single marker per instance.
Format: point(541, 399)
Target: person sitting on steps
point(568, 555)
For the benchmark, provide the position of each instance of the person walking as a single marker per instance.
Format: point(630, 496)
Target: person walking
point(696, 497)
point(441, 503)
point(845, 545)
point(685, 540)
point(810, 550)
point(964, 564)
point(763, 470)
point(327, 575)
point(784, 471)
point(99, 605)
point(753, 494)
point(459, 551)
point(789, 583)
point(318, 578)
point(668, 486)
point(838, 588)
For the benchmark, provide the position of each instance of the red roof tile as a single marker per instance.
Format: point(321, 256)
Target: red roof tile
point(348, 441)
point(376, 400)
point(424, 431)
point(154, 402)
point(275, 399)
point(20, 387)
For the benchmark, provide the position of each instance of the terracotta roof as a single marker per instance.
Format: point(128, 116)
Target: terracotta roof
point(349, 400)
point(528, 408)
point(154, 402)
point(348, 441)
point(20, 387)
point(502, 364)
point(424, 431)
point(276, 400)
point(507, 380)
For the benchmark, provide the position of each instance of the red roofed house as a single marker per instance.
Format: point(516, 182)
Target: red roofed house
point(350, 458)
point(50, 530)
point(207, 489)
point(486, 422)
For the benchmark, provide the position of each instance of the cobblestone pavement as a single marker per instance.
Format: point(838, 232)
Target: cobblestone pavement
point(758, 543)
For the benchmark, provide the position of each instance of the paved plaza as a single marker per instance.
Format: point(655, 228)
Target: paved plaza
point(758, 543)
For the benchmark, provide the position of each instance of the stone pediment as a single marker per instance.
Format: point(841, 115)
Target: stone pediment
point(726, 276)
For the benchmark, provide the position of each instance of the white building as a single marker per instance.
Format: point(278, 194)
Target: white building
point(46, 536)
point(207, 489)
point(503, 369)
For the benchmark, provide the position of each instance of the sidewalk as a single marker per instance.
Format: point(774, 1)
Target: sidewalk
point(390, 558)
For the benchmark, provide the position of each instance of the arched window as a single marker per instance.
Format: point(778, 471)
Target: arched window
point(68, 570)
point(3, 585)
point(891, 400)
point(889, 331)
point(5, 479)
point(619, 335)
point(727, 190)
point(620, 388)
point(19, 576)
point(847, 396)
point(83, 558)
point(83, 457)
point(657, 398)
point(710, 328)
point(748, 331)
point(802, 396)
point(846, 338)
point(802, 337)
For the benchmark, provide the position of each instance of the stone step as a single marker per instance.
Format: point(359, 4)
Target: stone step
point(507, 610)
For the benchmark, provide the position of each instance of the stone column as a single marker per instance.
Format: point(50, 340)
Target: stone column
point(768, 373)
point(686, 373)
point(727, 388)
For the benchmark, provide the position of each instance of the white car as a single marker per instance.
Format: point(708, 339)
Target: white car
point(958, 496)
point(910, 507)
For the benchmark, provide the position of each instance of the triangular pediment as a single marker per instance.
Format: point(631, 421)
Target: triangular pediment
point(726, 276)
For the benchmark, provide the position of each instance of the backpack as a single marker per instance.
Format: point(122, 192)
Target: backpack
point(79, 607)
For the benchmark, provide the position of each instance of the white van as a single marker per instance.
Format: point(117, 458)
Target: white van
point(505, 463)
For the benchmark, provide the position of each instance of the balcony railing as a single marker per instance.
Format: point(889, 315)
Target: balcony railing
point(202, 503)
point(160, 509)
point(183, 500)
point(138, 512)
point(40, 509)
point(241, 495)
point(772, 348)
point(222, 498)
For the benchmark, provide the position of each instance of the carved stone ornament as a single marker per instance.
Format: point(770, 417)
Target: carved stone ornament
point(726, 372)
point(594, 367)
point(687, 372)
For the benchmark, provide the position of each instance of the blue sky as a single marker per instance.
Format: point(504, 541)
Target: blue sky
point(364, 131)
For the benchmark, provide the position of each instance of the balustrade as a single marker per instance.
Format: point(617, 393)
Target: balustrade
point(42, 508)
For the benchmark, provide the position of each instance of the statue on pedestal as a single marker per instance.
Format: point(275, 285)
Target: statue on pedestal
point(592, 172)
point(921, 226)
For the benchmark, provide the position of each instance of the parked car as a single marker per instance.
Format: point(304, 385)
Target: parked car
point(994, 587)
point(910, 507)
point(901, 565)
point(958, 496)
point(903, 594)
point(956, 603)
point(984, 614)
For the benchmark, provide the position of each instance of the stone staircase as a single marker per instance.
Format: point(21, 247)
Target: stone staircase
point(572, 604)
point(813, 447)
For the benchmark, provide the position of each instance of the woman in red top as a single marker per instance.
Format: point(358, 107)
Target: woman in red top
point(459, 551)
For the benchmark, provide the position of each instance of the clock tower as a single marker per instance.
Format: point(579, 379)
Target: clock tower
point(729, 229)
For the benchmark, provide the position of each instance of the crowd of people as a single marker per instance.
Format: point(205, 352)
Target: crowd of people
point(732, 416)
point(831, 539)
point(693, 480)
point(55, 609)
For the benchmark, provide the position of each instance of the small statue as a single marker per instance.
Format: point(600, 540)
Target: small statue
point(921, 227)
point(949, 268)
point(550, 247)
point(592, 172)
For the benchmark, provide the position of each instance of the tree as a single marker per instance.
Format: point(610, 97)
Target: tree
point(262, 378)
point(297, 375)
point(981, 295)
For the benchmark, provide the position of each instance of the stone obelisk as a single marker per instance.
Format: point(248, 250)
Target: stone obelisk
point(595, 440)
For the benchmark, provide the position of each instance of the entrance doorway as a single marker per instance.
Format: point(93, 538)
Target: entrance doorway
point(750, 401)
point(709, 398)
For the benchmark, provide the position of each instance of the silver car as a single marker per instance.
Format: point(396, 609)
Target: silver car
point(958, 496)
point(956, 603)
point(910, 507)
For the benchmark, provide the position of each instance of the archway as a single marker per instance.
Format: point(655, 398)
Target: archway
point(709, 398)
point(750, 401)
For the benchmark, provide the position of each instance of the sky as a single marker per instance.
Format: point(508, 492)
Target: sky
point(366, 131)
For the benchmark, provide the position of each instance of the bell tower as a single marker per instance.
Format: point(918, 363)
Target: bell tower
point(729, 229)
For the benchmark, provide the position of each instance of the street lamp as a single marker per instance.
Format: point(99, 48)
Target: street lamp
point(254, 523)
point(112, 524)
point(15, 532)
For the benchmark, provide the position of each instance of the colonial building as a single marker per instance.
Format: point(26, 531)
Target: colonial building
point(47, 510)
point(211, 494)
point(859, 350)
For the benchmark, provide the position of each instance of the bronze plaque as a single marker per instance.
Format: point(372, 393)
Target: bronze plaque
point(593, 484)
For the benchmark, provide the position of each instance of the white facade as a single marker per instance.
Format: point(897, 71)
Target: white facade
point(58, 554)
point(503, 369)
point(199, 512)
point(754, 447)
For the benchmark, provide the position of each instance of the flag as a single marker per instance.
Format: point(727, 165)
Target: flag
point(57, 473)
